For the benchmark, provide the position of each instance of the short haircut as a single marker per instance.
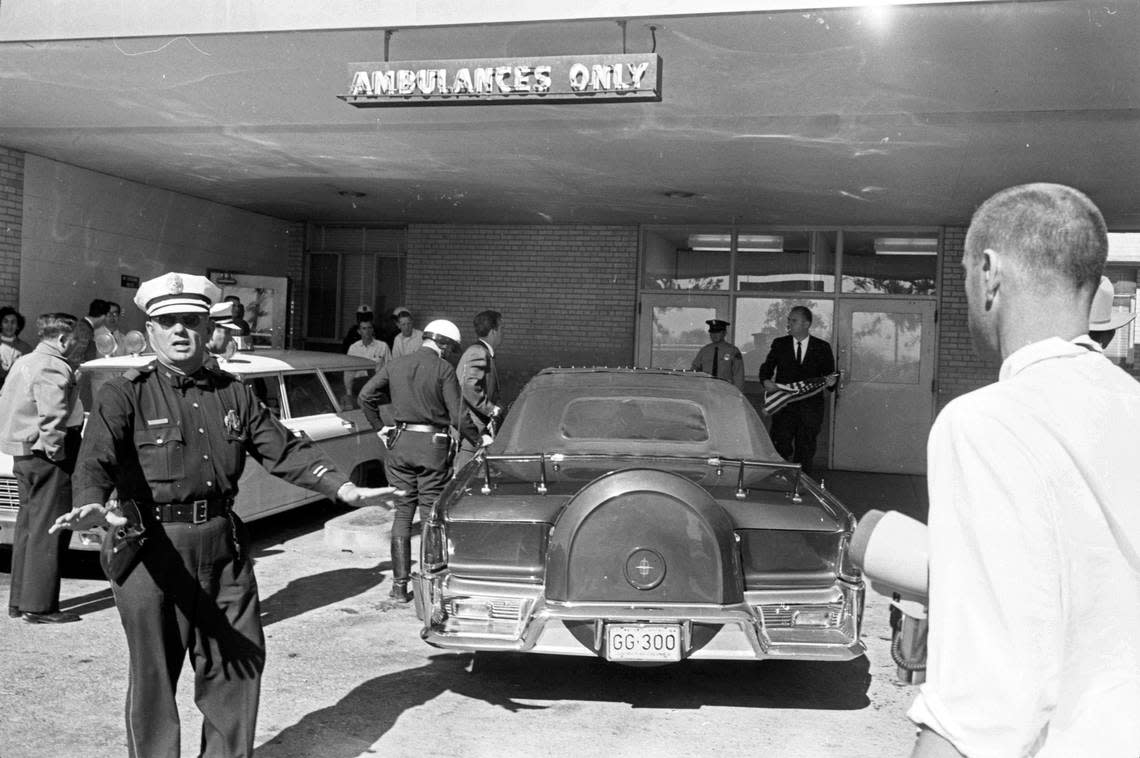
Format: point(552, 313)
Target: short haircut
point(803, 310)
point(485, 321)
point(1054, 234)
point(98, 308)
point(21, 322)
point(112, 304)
point(51, 325)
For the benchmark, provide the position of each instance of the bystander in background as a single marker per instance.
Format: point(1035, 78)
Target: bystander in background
point(408, 339)
point(39, 428)
point(11, 346)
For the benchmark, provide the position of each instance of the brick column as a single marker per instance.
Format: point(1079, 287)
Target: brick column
point(11, 224)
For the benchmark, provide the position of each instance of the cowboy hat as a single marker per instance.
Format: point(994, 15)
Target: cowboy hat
point(1101, 317)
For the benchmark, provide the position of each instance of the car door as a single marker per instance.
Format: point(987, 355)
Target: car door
point(259, 492)
point(353, 440)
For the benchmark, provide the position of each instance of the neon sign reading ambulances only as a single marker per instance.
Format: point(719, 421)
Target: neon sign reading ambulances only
point(593, 78)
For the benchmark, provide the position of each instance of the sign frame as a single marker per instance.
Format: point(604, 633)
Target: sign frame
point(620, 77)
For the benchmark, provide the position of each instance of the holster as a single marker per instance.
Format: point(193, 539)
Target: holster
point(123, 544)
point(388, 436)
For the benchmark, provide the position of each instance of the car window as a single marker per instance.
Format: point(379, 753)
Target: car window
point(307, 396)
point(268, 391)
point(346, 386)
point(634, 418)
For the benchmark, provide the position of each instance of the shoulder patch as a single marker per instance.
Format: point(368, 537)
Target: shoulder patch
point(137, 373)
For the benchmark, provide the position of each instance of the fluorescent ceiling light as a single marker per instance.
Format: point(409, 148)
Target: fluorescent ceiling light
point(906, 245)
point(746, 243)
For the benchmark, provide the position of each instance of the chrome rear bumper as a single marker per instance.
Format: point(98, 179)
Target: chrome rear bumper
point(515, 617)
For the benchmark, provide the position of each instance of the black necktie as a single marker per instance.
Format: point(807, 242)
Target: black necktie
point(716, 355)
point(799, 356)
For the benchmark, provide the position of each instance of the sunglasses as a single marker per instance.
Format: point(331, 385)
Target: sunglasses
point(168, 320)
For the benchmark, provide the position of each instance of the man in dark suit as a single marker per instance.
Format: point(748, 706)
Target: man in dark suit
point(796, 357)
point(83, 339)
point(479, 381)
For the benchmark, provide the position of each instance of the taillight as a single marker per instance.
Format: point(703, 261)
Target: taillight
point(848, 571)
point(433, 552)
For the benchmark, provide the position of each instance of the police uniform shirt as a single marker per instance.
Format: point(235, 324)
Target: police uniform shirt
point(163, 437)
point(422, 388)
point(722, 360)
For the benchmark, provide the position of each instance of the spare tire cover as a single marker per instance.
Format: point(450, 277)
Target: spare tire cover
point(643, 536)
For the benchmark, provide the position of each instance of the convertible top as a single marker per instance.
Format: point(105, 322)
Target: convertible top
point(633, 411)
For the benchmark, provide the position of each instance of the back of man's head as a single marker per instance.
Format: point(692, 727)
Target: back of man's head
point(485, 321)
point(51, 325)
point(98, 308)
point(1053, 234)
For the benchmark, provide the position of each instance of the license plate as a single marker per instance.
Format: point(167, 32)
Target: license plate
point(643, 642)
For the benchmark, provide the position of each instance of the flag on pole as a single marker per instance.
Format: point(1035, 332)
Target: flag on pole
point(793, 392)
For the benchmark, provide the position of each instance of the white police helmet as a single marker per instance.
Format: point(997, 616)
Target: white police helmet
point(442, 330)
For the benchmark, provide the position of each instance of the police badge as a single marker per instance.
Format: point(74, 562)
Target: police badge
point(234, 429)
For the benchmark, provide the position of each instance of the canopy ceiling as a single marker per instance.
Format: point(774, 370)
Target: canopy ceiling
point(907, 115)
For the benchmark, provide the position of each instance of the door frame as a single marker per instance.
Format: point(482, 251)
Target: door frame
point(844, 307)
point(719, 301)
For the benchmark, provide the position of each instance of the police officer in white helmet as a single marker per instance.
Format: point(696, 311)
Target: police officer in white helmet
point(424, 394)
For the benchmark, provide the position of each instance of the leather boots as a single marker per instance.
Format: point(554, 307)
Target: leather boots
point(401, 569)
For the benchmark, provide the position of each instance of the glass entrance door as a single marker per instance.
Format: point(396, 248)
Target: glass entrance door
point(671, 327)
point(885, 403)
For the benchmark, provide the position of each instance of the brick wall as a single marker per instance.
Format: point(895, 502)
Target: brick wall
point(567, 293)
point(11, 224)
point(959, 369)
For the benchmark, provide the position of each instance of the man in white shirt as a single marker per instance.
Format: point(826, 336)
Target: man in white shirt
point(409, 339)
point(366, 347)
point(1034, 644)
point(370, 347)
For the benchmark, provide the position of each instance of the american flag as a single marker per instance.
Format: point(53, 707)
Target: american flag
point(793, 392)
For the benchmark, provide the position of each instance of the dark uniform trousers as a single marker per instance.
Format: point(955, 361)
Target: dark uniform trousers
point(192, 594)
point(422, 390)
point(157, 437)
point(45, 493)
point(419, 463)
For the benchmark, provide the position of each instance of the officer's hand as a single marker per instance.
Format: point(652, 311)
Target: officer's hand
point(770, 385)
point(85, 517)
point(355, 496)
point(485, 440)
point(497, 412)
point(832, 379)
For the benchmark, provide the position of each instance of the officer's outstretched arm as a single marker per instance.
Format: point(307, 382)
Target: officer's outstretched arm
point(355, 496)
point(87, 516)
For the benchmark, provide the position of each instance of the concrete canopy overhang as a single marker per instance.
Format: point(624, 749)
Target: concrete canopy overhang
point(874, 115)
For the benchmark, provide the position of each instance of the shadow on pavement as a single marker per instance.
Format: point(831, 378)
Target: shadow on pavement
point(364, 715)
point(313, 591)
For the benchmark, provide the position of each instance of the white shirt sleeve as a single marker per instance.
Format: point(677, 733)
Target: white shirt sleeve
point(996, 605)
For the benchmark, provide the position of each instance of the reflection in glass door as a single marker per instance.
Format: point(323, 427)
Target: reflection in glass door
point(885, 403)
point(672, 328)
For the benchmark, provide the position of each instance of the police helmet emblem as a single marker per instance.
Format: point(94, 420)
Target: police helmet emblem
point(174, 284)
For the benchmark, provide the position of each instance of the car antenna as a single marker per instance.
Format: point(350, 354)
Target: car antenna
point(741, 493)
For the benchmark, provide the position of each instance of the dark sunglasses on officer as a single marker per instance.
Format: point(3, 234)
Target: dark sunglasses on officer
point(168, 320)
